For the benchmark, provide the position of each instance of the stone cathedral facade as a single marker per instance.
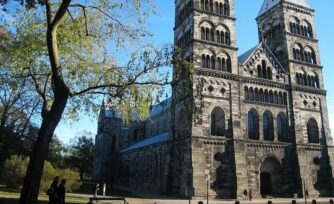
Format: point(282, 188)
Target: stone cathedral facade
point(258, 121)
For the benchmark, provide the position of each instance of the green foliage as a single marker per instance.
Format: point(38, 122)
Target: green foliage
point(15, 169)
point(81, 154)
point(49, 172)
point(91, 37)
point(15, 143)
point(72, 179)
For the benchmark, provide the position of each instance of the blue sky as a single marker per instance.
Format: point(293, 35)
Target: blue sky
point(246, 11)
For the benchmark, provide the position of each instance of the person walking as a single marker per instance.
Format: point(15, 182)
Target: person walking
point(245, 195)
point(307, 195)
point(250, 195)
point(52, 192)
point(96, 189)
point(62, 194)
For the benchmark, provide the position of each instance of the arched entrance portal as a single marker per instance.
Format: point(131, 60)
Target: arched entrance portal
point(271, 178)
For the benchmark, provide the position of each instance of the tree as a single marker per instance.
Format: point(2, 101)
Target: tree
point(15, 143)
point(81, 154)
point(67, 51)
point(16, 166)
point(14, 171)
point(17, 107)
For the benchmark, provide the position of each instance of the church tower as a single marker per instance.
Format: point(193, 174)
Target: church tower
point(205, 31)
point(287, 27)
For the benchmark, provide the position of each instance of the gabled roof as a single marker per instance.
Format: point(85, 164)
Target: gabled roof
point(268, 4)
point(244, 58)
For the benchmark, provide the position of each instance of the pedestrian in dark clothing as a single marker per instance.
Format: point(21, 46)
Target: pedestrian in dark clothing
point(62, 192)
point(245, 195)
point(250, 195)
point(52, 192)
point(307, 195)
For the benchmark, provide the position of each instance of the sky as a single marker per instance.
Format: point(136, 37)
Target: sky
point(247, 37)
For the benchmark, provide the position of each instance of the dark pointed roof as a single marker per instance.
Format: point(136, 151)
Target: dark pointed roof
point(244, 58)
point(268, 4)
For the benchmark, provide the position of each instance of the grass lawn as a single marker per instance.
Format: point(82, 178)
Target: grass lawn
point(8, 196)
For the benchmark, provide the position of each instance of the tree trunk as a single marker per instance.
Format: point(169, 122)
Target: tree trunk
point(30, 190)
point(51, 118)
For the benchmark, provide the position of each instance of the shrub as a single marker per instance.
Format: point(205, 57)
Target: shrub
point(14, 171)
point(49, 172)
point(72, 179)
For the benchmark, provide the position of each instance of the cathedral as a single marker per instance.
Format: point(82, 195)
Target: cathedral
point(256, 121)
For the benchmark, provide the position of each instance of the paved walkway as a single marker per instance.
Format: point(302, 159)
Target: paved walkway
point(262, 201)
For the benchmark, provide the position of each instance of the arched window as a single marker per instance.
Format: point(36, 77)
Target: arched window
point(213, 62)
point(202, 33)
point(218, 36)
point(297, 78)
point(219, 64)
point(212, 35)
point(218, 122)
point(264, 73)
point(304, 80)
point(271, 97)
point(264, 70)
point(223, 64)
point(259, 71)
point(280, 98)
point(221, 8)
point(246, 93)
point(207, 34)
point(313, 131)
point(270, 74)
point(216, 7)
point(226, 8)
point(282, 128)
point(251, 94)
point(253, 125)
point(297, 50)
point(268, 126)
point(275, 97)
point(203, 61)
point(207, 62)
point(227, 38)
point(312, 81)
point(317, 85)
point(229, 65)
point(266, 96)
point(261, 95)
point(222, 37)
point(257, 95)
point(206, 5)
point(211, 5)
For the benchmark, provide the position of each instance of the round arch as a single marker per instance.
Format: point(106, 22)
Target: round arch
point(271, 175)
point(218, 121)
